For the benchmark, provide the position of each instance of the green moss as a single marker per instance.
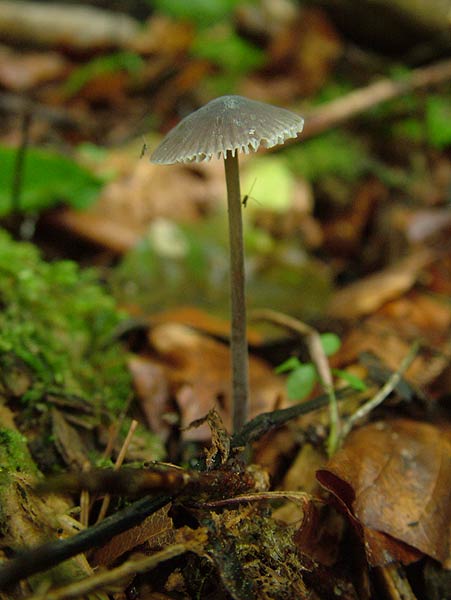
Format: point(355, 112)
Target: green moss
point(14, 458)
point(56, 329)
point(14, 454)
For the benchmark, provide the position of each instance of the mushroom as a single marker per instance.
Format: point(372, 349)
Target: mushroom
point(224, 127)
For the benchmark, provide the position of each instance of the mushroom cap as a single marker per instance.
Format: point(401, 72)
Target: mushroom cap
point(227, 124)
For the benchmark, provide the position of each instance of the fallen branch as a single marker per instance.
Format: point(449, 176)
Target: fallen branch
point(265, 422)
point(65, 25)
point(338, 111)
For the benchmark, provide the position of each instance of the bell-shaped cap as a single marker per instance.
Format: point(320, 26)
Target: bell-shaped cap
point(227, 124)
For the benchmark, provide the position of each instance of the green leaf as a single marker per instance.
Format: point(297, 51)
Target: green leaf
point(224, 48)
point(288, 365)
point(355, 382)
point(103, 65)
point(48, 179)
point(270, 182)
point(203, 13)
point(300, 382)
point(438, 121)
point(411, 129)
point(330, 342)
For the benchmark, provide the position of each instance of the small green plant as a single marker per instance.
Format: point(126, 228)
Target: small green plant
point(303, 376)
point(203, 13)
point(48, 179)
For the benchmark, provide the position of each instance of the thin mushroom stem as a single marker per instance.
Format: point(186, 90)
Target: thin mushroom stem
point(238, 338)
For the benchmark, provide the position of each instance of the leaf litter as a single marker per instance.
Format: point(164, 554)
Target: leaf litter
point(378, 217)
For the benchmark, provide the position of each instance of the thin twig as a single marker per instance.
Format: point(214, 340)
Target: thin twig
point(265, 422)
point(294, 496)
point(117, 465)
point(107, 578)
point(19, 164)
point(387, 389)
point(84, 500)
point(342, 109)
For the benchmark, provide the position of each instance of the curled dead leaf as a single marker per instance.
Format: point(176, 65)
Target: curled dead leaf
point(394, 480)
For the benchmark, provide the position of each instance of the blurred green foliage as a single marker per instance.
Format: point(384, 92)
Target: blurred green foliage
point(48, 179)
point(57, 329)
point(333, 153)
point(270, 183)
point(411, 129)
point(224, 48)
point(216, 40)
point(189, 265)
point(108, 64)
point(202, 13)
point(438, 121)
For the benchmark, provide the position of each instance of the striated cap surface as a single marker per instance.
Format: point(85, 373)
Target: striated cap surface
point(227, 124)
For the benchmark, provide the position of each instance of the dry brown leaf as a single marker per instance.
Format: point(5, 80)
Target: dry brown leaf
point(68, 442)
point(162, 35)
point(310, 46)
point(394, 478)
point(202, 321)
point(301, 474)
point(300, 57)
point(152, 389)
point(157, 531)
point(320, 534)
point(20, 72)
point(344, 233)
point(143, 193)
point(199, 368)
point(389, 333)
point(274, 450)
point(368, 294)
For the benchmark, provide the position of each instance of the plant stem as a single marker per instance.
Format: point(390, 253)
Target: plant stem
point(18, 174)
point(238, 338)
point(321, 363)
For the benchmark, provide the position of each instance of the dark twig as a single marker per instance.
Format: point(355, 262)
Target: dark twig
point(264, 422)
point(48, 555)
point(58, 117)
